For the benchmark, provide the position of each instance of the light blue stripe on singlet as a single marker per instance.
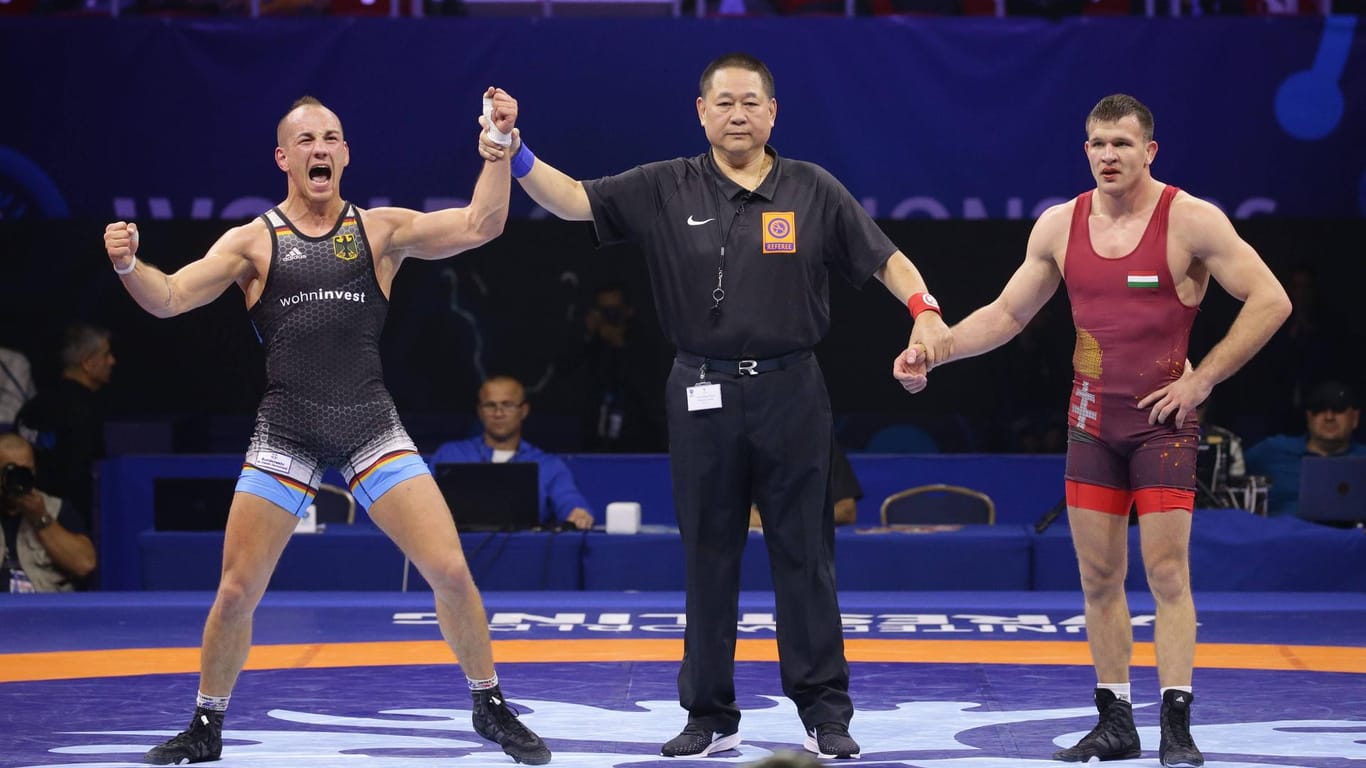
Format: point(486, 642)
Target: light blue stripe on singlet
point(385, 477)
point(265, 485)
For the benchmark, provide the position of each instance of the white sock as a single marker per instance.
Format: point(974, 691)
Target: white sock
point(482, 685)
point(1183, 688)
point(211, 703)
point(1120, 690)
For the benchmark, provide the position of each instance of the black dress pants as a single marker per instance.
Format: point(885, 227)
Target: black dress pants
point(769, 442)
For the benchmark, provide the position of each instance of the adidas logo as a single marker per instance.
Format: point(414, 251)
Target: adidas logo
point(294, 255)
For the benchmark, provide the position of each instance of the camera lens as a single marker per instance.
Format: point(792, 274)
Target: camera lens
point(15, 480)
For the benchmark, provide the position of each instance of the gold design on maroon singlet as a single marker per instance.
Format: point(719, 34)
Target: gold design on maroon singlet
point(1172, 456)
point(1172, 364)
point(1086, 357)
point(1164, 370)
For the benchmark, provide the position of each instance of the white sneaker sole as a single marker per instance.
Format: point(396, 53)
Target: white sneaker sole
point(810, 745)
point(718, 745)
point(722, 744)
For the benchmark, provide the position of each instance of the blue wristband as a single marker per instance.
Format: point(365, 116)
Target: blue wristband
point(522, 161)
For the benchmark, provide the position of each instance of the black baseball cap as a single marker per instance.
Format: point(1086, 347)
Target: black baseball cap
point(1330, 396)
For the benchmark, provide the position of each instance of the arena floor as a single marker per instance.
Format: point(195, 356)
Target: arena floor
point(962, 679)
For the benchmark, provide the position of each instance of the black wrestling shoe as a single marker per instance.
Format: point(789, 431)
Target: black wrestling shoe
point(1178, 749)
point(1113, 738)
point(200, 743)
point(696, 741)
point(831, 740)
point(496, 722)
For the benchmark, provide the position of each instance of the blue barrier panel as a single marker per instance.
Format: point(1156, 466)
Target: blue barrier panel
point(126, 507)
point(1230, 550)
point(1022, 486)
point(363, 558)
point(974, 557)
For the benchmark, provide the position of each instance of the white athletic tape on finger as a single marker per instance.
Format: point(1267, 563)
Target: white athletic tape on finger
point(495, 135)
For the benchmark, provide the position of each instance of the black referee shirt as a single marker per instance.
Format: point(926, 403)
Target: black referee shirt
point(781, 242)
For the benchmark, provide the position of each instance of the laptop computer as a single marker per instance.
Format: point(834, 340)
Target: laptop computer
point(491, 497)
point(1333, 489)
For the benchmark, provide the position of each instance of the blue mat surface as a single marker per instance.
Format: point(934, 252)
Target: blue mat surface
point(999, 711)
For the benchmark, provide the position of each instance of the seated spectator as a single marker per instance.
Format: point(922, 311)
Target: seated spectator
point(16, 386)
point(844, 485)
point(502, 408)
point(66, 421)
point(1331, 415)
point(45, 547)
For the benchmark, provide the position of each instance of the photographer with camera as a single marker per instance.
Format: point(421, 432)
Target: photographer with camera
point(66, 420)
point(622, 376)
point(45, 546)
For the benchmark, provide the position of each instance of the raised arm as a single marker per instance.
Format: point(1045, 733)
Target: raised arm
point(551, 188)
point(548, 186)
point(193, 285)
point(443, 233)
point(1208, 235)
point(401, 233)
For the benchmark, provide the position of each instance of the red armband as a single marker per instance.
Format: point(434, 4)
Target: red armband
point(922, 302)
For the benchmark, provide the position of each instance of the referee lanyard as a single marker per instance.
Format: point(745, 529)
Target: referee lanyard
point(718, 293)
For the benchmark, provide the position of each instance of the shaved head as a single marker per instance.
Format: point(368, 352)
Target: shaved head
point(502, 384)
point(302, 102)
point(14, 449)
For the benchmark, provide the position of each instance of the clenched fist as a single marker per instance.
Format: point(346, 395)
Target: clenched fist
point(121, 242)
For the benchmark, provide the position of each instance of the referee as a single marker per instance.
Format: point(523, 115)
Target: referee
point(740, 244)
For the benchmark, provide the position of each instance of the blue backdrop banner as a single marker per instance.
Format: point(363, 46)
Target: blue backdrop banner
point(920, 118)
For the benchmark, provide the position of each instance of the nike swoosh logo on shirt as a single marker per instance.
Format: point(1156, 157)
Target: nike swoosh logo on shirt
point(693, 223)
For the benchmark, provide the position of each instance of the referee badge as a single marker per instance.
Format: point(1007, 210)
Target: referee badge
point(344, 247)
point(780, 232)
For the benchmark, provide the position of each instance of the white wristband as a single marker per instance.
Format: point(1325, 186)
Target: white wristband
point(128, 270)
point(495, 135)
